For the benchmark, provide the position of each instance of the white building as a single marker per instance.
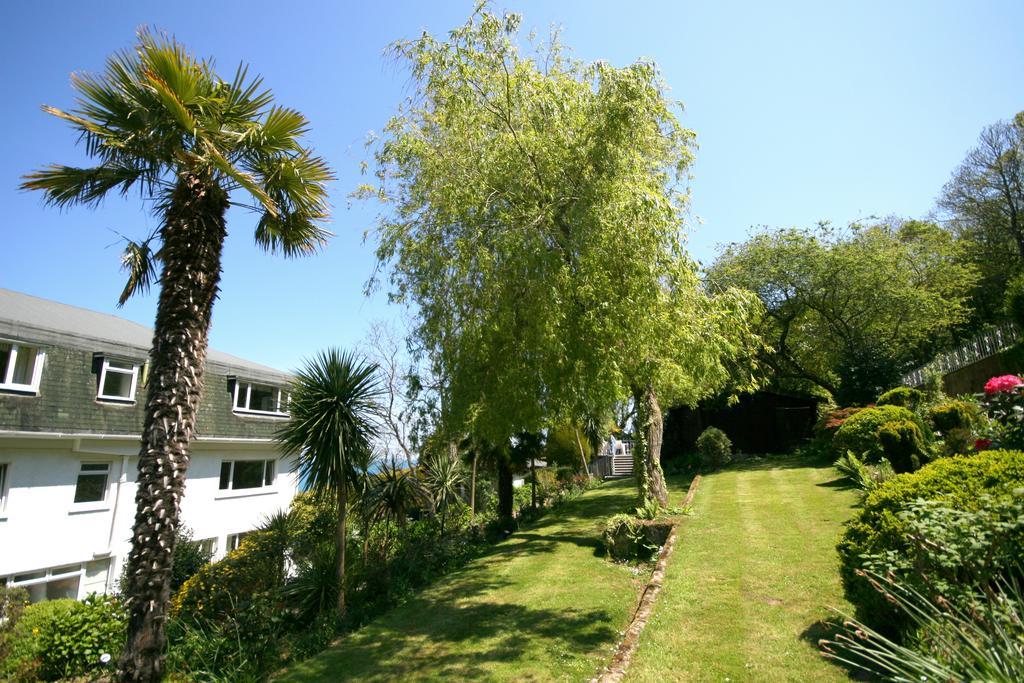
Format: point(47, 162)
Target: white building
point(72, 388)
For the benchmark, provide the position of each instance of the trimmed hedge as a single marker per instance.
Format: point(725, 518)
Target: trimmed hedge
point(859, 433)
point(957, 482)
point(902, 396)
point(714, 448)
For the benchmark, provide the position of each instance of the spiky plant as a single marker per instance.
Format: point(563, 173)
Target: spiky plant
point(333, 411)
point(443, 476)
point(162, 123)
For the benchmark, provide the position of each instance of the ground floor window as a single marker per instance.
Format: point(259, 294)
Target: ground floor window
point(208, 546)
point(234, 540)
point(49, 584)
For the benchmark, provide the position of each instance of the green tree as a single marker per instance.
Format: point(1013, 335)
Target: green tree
point(334, 404)
point(984, 202)
point(536, 225)
point(160, 122)
point(849, 310)
point(443, 476)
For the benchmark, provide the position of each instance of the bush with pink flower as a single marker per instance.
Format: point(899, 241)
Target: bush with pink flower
point(1003, 400)
point(1004, 384)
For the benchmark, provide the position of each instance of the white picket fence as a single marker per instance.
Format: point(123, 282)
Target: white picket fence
point(987, 343)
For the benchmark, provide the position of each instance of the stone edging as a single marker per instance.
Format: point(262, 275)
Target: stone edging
point(616, 670)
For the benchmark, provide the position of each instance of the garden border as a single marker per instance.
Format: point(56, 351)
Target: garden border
point(616, 670)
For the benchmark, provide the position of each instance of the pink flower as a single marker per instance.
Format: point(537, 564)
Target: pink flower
point(982, 444)
point(1003, 384)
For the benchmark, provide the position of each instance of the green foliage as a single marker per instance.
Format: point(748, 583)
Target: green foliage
point(957, 482)
point(904, 445)
point(626, 537)
point(859, 433)
point(714, 448)
point(561, 448)
point(984, 642)
point(902, 396)
point(958, 421)
point(534, 212)
point(848, 310)
point(829, 423)
point(649, 510)
point(59, 639)
point(957, 554)
point(863, 476)
point(221, 587)
point(1014, 303)
point(189, 558)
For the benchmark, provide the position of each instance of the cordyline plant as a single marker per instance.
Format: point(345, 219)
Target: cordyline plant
point(164, 124)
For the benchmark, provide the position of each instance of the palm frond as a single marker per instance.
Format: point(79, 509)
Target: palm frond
point(140, 261)
point(68, 185)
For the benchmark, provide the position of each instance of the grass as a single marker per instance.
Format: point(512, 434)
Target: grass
point(746, 590)
point(543, 605)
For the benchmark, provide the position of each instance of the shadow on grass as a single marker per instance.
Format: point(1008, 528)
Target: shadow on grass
point(829, 629)
point(840, 483)
point(458, 642)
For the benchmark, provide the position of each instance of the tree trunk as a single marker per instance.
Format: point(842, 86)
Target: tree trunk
point(340, 564)
point(472, 489)
point(505, 492)
point(533, 484)
point(583, 456)
point(647, 447)
point(193, 237)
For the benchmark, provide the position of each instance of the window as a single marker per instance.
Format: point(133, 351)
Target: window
point(246, 474)
point(260, 398)
point(92, 482)
point(208, 546)
point(234, 540)
point(118, 380)
point(21, 367)
point(49, 584)
point(3, 485)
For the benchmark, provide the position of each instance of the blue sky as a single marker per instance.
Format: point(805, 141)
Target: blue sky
point(804, 111)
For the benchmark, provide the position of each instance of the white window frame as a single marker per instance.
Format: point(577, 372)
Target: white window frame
point(92, 505)
point(7, 381)
point(134, 372)
point(5, 478)
point(282, 399)
point(229, 490)
point(214, 545)
point(48, 577)
point(232, 541)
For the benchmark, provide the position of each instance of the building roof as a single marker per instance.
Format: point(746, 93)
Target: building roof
point(31, 318)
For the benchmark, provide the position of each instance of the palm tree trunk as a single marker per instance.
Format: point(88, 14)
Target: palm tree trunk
point(340, 566)
point(533, 484)
point(193, 237)
point(472, 489)
point(505, 492)
point(647, 446)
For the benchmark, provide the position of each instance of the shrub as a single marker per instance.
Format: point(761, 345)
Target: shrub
point(865, 477)
point(982, 643)
point(830, 422)
point(902, 396)
point(957, 554)
point(714, 448)
point(903, 445)
point(217, 588)
point(957, 421)
point(64, 638)
point(563, 449)
point(625, 537)
point(859, 433)
point(958, 482)
point(1004, 403)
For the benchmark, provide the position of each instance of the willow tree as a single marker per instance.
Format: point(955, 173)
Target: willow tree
point(163, 124)
point(535, 218)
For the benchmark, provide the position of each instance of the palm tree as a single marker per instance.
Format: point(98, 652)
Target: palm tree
point(397, 492)
point(160, 122)
point(443, 476)
point(334, 406)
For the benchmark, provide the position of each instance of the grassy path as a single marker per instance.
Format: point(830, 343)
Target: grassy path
point(751, 576)
point(542, 605)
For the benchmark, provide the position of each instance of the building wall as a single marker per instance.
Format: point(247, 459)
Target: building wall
point(41, 527)
point(67, 402)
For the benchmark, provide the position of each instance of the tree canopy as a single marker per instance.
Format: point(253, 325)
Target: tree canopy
point(849, 309)
point(535, 213)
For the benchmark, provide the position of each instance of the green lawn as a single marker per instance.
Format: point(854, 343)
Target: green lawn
point(543, 605)
point(753, 571)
